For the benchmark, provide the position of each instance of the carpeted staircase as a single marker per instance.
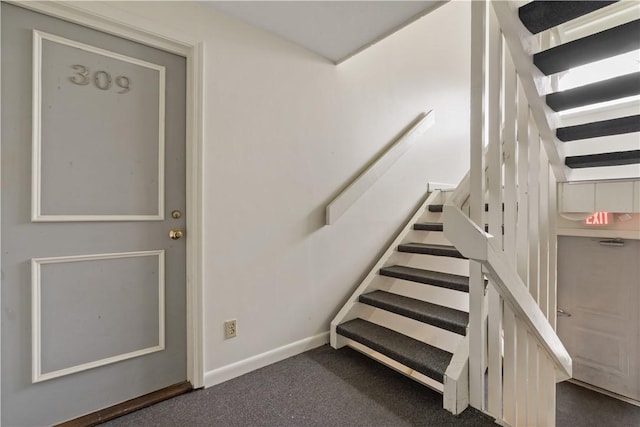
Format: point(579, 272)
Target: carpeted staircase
point(422, 282)
point(413, 312)
point(538, 16)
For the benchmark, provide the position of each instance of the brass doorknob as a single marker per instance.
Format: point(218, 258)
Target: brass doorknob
point(175, 234)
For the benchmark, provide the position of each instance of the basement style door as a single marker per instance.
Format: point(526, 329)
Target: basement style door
point(93, 204)
point(599, 295)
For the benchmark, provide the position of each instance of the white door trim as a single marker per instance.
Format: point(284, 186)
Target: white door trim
point(36, 312)
point(109, 19)
point(36, 172)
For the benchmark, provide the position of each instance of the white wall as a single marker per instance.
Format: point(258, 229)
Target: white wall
point(621, 225)
point(285, 131)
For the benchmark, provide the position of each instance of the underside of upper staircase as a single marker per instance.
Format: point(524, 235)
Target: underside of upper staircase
point(599, 138)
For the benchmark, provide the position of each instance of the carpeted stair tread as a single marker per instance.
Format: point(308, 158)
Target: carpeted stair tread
point(437, 226)
point(442, 317)
point(605, 90)
point(486, 207)
point(430, 249)
point(616, 126)
point(428, 360)
point(438, 208)
point(605, 44)
point(427, 277)
point(428, 226)
point(538, 16)
point(486, 229)
point(617, 158)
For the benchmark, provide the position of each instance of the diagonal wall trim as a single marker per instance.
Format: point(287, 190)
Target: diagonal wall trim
point(36, 318)
point(361, 184)
point(242, 367)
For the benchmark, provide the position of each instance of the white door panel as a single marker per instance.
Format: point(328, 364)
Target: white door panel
point(99, 130)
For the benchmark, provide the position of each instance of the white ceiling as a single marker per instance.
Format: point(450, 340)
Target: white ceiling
point(334, 29)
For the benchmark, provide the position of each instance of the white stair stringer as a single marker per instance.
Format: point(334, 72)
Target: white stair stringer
point(349, 310)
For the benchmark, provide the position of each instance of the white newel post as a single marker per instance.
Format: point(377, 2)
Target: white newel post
point(477, 310)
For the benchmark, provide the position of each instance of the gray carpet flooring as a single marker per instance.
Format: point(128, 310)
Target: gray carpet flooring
point(578, 406)
point(325, 387)
point(321, 387)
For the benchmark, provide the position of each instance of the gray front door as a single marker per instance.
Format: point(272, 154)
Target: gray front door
point(93, 182)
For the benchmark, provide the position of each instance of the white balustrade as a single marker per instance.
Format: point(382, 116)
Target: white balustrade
point(514, 169)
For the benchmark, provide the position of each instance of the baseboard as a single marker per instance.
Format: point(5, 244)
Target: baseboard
point(605, 392)
point(242, 367)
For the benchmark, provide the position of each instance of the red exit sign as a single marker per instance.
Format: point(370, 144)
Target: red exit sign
point(598, 218)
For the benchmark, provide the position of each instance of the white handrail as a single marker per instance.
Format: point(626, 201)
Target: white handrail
point(347, 197)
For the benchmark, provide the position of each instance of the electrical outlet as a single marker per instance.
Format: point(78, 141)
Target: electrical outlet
point(230, 329)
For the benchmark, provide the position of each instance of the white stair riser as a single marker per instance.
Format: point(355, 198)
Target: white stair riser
point(576, 117)
point(428, 293)
point(602, 173)
point(432, 335)
point(433, 237)
point(430, 216)
point(431, 262)
point(604, 144)
point(423, 379)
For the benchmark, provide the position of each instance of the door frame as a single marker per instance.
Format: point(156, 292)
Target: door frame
point(109, 19)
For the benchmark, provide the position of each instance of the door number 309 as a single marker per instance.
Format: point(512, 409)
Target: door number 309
point(101, 79)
